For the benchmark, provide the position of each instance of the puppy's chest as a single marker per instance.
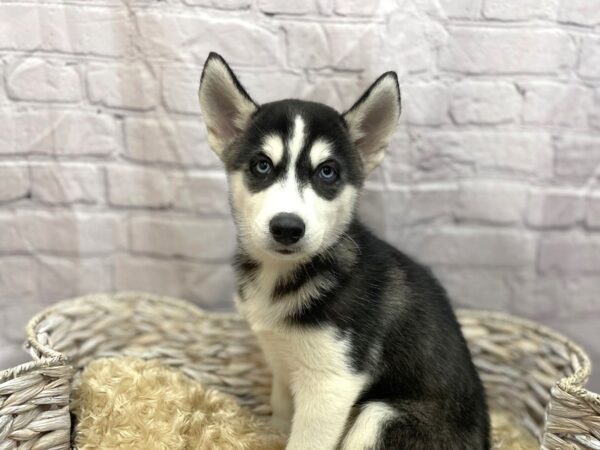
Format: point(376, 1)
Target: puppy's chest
point(318, 351)
point(265, 307)
point(293, 348)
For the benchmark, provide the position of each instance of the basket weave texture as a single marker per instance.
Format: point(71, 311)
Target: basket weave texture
point(528, 370)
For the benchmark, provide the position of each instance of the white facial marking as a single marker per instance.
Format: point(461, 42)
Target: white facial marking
point(296, 142)
point(366, 429)
point(319, 152)
point(273, 148)
point(324, 220)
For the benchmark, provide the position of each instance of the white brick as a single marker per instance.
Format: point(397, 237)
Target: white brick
point(179, 89)
point(509, 10)
point(132, 86)
point(174, 36)
point(7, 133)
point(35, 79)
point(66, 183)
point(484, 102)
point(584, 331)
point(358, 7)
point(221, 4)
point(24, 18)
point(73, 233)
point(11, 238)
point(14, 319)
point(417, 207)
point(339, 93)
point(316, 46)
point(469, 247)
point(12, 354)
point(554, 209)
point(180, 86)
point(589, 58)
point(287, 7)
point(376, 179)
point(148, 275)
point(592, 211)
point(579, 12)
point(15, 183)
point(207, 239)
point(397, 165)
point(573, 295)
point(423, 204)
point(168, 141)
point(569, 254)
point(594, 118)
point(57, 132)
point(3, 95)
point(210, 286)
point(461, 9)
point(487, 289)
point(414, 48)
point(18, 277)
point(202, 193)
point(64, 278)
point(450, 154)
point(550, 103)
point(371, 209)
point(492, 51)
point(535, 297)
point(491, 202)
point(72, 29)
point(577, 156)
point(131, 186)
point(425, 103)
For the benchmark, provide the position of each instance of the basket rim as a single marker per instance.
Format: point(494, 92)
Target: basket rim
point(573, 383)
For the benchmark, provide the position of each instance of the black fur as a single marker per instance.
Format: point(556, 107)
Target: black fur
point(420, 363)
point(321, 122)
point(396, 315)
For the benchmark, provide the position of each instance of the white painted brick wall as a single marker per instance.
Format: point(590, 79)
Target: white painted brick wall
point(107, 181)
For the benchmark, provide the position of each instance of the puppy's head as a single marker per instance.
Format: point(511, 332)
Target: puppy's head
point(294, 167)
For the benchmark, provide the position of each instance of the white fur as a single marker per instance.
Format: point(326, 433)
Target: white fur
point(319, 152)
point(323, 219)
point(296, 141)
point(311, 380)
point(273, 148)
point(366, 430)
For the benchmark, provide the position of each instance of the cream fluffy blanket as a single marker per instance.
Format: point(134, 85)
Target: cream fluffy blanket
point(132, 404)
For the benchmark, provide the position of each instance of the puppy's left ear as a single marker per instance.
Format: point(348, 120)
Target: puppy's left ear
point(225, 105)
point(373, 118)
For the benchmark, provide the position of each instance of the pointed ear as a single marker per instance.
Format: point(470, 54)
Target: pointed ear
point(372, 119)
point(225, 105)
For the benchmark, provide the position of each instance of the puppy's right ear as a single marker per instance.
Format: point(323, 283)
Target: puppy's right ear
point(225, 105)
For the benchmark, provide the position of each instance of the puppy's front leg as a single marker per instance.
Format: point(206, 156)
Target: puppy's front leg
point(322, 405)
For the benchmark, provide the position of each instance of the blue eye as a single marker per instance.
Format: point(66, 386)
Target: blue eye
point(262, 167)
point(327, 173)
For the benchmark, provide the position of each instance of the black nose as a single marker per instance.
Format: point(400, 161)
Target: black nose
point(286, 228)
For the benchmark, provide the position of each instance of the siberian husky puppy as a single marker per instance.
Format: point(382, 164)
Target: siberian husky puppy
point(365, 350)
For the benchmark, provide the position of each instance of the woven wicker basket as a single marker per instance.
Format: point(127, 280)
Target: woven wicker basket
point(527, 369)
